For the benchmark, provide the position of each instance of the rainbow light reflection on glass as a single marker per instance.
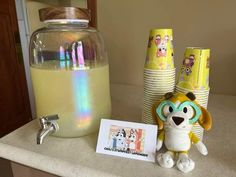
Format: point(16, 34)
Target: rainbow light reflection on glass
point(82, 97)
point(80, 83)
point(80, 54)
point(81, 91)
point(77, 56)
point(73, 55)
point(62, 57)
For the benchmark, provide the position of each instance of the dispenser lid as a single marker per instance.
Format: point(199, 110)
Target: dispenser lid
point(64, 13)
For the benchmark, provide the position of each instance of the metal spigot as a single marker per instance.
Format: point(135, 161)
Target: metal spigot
point(48, 125)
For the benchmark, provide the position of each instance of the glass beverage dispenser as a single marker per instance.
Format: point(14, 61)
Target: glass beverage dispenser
point(69, 70)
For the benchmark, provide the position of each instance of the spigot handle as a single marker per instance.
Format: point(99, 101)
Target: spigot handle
point(52, 117)
point(48, 125)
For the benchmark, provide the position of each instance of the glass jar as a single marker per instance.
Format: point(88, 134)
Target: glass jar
point(70, 72)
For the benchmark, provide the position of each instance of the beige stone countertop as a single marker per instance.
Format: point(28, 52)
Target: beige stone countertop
point(75, 157)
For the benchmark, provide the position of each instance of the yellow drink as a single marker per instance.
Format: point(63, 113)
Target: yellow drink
point(80, 97)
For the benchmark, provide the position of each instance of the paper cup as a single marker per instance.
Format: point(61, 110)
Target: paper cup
point(159, 82)
point(193, 90)
point(163, 75)
point(151, 100)
point(194, 73)
point(201, 99)
point(158, 91)
point(160, 52)
point(156, 84)
point(159, 71)
point(159, 77)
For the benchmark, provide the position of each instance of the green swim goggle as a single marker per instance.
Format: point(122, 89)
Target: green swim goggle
point(198, 112)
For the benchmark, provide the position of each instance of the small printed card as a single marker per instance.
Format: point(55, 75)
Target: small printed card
point(127, 139)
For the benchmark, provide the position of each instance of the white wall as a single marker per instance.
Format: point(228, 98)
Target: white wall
point(125, 26)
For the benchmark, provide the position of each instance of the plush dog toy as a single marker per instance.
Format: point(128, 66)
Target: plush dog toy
point(175, 116)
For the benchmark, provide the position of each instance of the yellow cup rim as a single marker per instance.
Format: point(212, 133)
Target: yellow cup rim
point(197, 48)
point(161, 29)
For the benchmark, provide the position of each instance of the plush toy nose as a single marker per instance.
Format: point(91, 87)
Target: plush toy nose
point(177, 120)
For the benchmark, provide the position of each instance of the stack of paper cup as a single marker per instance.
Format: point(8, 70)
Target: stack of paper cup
point(201, 96)
point(194, 77)
point(159, 71)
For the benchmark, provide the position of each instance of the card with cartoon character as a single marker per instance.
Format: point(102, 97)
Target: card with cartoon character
point(127, 139)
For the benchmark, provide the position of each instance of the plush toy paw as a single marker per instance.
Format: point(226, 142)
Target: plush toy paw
point(201, 148)
point(185, 164)
point(165, 160)
point(159, 145)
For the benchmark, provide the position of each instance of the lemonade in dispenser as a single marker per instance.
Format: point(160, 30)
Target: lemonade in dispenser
point(70, 73)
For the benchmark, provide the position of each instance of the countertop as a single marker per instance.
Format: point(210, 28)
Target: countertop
point(75, 157)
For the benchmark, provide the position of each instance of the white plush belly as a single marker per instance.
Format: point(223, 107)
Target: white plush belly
point(177, 140)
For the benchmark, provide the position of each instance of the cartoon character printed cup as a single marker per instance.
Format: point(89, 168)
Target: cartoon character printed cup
point(194, 73)
point(160, 52)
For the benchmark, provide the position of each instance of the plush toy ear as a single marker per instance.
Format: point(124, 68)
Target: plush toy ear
point(205, 119)
point(191, 96)
point(156, 117)
point(168, 95)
